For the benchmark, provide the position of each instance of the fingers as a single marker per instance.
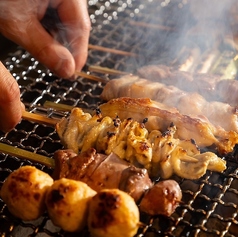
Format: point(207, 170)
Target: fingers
point(75, 26)
point(40, 44)
point(10, 104)
point(36, 40)
point(74, 16)
point(31, 35)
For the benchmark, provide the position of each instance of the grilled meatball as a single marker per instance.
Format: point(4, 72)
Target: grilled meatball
point(67, 204)
point(162, 198)
point(113, 212)
point(24, 192)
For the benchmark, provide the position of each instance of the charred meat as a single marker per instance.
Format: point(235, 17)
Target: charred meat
point(161, 153)
point(189, 103)
point(211, 87)
point(111, 172)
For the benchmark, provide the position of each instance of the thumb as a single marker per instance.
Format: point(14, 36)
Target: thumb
point(10, 104)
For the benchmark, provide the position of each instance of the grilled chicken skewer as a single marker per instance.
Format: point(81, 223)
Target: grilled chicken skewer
point(71, 205)
point(161, 153)
point(96, 170)
point(100, 172)
point(192, 104)
point(161, 116)
point(211, 87)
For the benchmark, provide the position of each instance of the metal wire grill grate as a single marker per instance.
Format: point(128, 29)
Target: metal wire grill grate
point(209, 206)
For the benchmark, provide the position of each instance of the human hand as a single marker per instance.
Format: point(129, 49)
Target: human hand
point(10, 104)
point(20, 22)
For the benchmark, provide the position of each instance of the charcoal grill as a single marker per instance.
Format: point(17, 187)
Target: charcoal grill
point(210, 204)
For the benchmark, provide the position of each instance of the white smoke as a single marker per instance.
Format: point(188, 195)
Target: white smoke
point(194, 27)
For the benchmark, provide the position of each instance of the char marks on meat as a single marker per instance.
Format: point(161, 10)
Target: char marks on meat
point(160, 152)
point(189, 103)
point(199, 129)
point(100, 171)
point(164, 192)
point(211, 87)
point(113, 173)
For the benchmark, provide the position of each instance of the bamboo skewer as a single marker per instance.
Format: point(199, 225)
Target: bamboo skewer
point(152, 26)
point(49, 162)
point(91, 77)
point(39, 118)
point(106, 70)
point(103, 70)
point(63, 107)
point(110, 50)
point(50, 121)
point(58, 106)
point(23, 154)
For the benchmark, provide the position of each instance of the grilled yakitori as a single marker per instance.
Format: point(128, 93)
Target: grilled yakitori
point(77, 178)
point(161, 153)
point(160, 116)
point(113, 212)
point(67, 202)
point(24, 192)
point(101, 172)
point(211, 87)
point(219, 114)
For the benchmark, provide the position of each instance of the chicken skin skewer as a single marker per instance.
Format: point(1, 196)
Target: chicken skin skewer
point(161, 153)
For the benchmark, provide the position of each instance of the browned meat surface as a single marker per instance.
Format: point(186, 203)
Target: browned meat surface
point(67, 202)
point(160, 152)
point(113, 213)
point(188, 103)
point(24, 192)
point(211, 87)
point(204, 84)
point(67, 165)
point(112, 172)
point(162, 192)
point(131, 180)
point(199, 129)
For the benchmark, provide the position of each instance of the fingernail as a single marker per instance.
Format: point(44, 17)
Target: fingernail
point(72, 78)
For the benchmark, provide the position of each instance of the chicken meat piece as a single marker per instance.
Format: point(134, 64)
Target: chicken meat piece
point(113, 212)
point(201, 130)
point(211, 87)
point(191, 104)
point(161, 153)
point(67, 203)
point(24, 192)
point(100, 171)
point(181, 157)
point(163, 192)
point(204, 84)
point(134, 181)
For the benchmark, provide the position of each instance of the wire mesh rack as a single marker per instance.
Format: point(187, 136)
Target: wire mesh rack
point(210, 205)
